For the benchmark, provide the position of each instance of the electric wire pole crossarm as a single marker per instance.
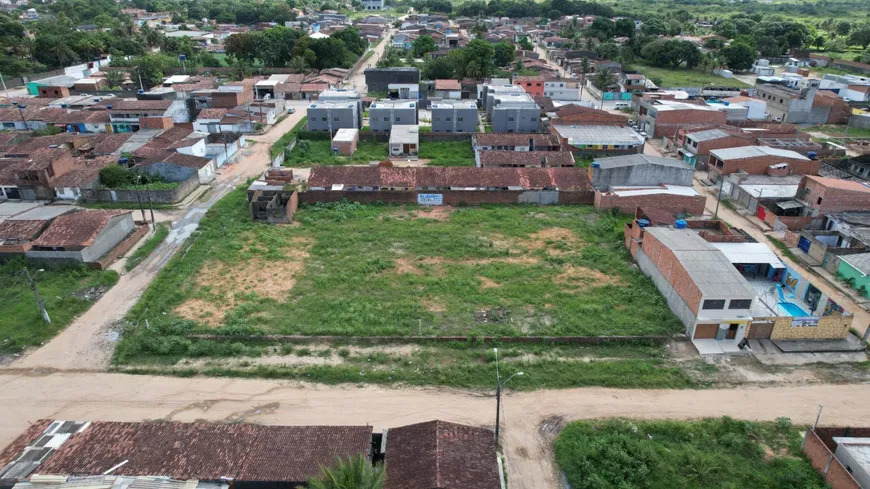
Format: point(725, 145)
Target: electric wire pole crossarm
point(499, 386)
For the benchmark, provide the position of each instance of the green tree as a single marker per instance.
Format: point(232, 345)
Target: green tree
point(330, 53)
point(423, 45)
point(584, 65)
point(836, 44)
point(819, 41)
point(439, 69)
point(352, 473)
point(860, 37)
point(738, 57)
point(602, 79)
point(623, 28)
point(505, 53)
point(602, 28)
point(478, 59)
point(653, 27)
point(526, 44)
point(115, 78)
point(352, 40)
point(298, 64)
point(844, 28)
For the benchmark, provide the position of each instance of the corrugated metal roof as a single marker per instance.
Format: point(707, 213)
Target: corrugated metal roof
point(755, 151)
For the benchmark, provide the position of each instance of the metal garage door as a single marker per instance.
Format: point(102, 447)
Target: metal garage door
point(760, 331)
point(804, 244)
point(706, 331)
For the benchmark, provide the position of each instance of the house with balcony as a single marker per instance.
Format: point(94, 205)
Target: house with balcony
point(631, 82)
point(129, 115)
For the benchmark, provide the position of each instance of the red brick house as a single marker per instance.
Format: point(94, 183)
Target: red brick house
point(826, 195)
point(533, 85)
point(757, 160)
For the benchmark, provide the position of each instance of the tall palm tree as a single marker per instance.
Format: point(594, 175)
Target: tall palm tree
point(297, 63)
point(351, 473)
point(602, 79)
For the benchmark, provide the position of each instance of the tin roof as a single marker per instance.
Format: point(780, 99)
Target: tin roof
point(441, 455)
point(755, 151)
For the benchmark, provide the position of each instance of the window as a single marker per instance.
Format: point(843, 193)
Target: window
point(448, 119)
point(510, 119)
point(335, 119)
point(386, 119)
point(437, 119)
point(459, 119)
point(714, 304)
point(740, 304)
point(398, 119)
point(323, 119)
point(819, 201)
point(534, 119)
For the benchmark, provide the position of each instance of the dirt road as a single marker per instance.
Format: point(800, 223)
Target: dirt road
point(530, 419)
point(87, 343)
point(357, 79)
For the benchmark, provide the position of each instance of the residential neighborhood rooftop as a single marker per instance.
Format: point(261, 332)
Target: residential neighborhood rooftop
point(603, 135)
point(76, 229)
point(755, 151)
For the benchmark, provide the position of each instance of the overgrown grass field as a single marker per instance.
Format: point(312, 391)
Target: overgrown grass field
point(723, 453)
point(67, 292)
point(447, 153)
point(683, 77)
point(151, 243)
point(320, 153)
point(353, 270)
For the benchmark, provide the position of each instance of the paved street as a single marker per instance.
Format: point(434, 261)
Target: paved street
point(358, 79)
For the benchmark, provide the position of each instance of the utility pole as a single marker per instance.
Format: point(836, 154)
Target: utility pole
point(139, 198)
point(718, 197)
point(4, 85)
point(36, 294)
point(139, 74)
point(151, 208)
point(499, 387)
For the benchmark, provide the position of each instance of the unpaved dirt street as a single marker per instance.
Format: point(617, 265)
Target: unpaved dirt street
point(530, 419)
point(88, 342)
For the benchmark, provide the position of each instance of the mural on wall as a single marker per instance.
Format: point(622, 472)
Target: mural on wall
point(832, 308)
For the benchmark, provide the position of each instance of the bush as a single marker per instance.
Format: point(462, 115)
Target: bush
point(117, 176)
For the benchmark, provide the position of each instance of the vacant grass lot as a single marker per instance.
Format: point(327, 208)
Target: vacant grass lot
point(320, 153)
point(723, 453)
point(66, 292)
point(352, 270)
point(448, 153)
point(148, 247)
point(685, 78)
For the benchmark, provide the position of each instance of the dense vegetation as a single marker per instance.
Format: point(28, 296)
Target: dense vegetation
point(691, 455)
point(67, 292)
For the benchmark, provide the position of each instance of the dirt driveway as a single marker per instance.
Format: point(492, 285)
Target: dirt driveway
point(530, 419)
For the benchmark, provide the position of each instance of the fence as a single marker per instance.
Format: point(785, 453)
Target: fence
point(92, 195)
point(587, 340)
point(456, 197)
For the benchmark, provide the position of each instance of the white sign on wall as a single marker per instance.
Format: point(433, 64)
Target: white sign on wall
point(430, 199)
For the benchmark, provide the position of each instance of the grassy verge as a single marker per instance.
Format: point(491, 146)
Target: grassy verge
point(125, 205)
point(462, 365)
point(320, 153)
point(685, 78)
point(692, 455)
point(279, 145)
point(840, 131)
point(783, 248)
point(447, 153)
point(67, 292)
point(148, 247)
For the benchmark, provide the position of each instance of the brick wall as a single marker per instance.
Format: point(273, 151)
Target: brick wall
point(782, 171)
point(691, 204)
point(104, 261)
point(450, 197)
point(757, 165)
point(292, 205)
point(829, 327)
point(704, 147)
point(834, 199)
point(795, 223)
point(156, 122)
point(671, 269)
point(823, 460)
point(668, 122)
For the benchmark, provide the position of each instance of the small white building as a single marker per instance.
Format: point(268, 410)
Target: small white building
point(757, 108)
point(559, 89)
point(403, 91)
point(405, 141)
point(854, 455)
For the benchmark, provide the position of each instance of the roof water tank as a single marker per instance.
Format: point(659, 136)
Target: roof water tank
point(726, 103)
point(140, 91)
point(643, 222)
point(812, 155)
point(123, 161)
point(680, 224)
point(596, 164)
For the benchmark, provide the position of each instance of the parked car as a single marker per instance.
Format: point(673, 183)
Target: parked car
point(291, 110)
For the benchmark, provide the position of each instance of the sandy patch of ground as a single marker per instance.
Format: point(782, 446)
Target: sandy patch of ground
point(581, 276)
point(313, 356)
point(438, 213)
point(556, 241)
point(405, 265)
point(223, 281)
point(433, 305)
point(488, 283)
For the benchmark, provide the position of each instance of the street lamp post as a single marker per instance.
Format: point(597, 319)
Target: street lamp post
point(499, 386)
point(21, 113)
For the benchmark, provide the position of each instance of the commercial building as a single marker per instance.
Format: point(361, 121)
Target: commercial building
point(384, 113)
point(515, 113)
point(379, 79)
point(599, 140)
point(454, 116)
point(490, 93)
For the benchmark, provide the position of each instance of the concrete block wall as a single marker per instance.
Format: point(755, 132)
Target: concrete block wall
point(829, 327)
point(666, 286)
point(668, 122)
point(671, 203)
point(641, 175)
